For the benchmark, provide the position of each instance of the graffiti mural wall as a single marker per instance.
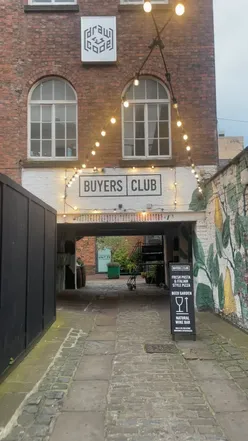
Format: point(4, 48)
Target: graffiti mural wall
point(221, 259)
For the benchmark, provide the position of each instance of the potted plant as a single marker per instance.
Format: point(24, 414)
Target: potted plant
point(113, 270)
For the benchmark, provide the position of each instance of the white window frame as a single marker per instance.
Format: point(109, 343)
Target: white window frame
point(146, 122)
point(140, 2)
point(51, 2)
point(53, 139)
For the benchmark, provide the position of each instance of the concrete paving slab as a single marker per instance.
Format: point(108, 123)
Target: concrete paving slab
point(100, 335)
point(102, 320)
point(95, 367)
point(224, 395)
point(99, 347)
point(235, 424)
point(197, 354)
point(79, 426)
point(206, 369)
point(87, 396)
point(8, 405)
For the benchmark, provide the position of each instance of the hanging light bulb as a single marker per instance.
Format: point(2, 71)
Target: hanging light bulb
point(134, 168)
point(83, 165)
point(113, 120)
point(103, 132)
point(193, 171)
point(185, 137)
point(73, 179)
point(175, 106)
point(76, 175)
point(94, 169)
point(75, 208)
point(175, 202)
point(152, 167)
point(196, 175)
point(175, 183)
point(179, 123)
point(188, 148)
point(93, 152)
point(180, 9)
point(147, 6)
point(200, 189)
point(64, 215)
point(97, 144)
point(125, 102)
point(136, 80)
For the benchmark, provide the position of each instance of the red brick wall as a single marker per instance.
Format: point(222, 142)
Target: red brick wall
point(42, 44)
point(86, 250)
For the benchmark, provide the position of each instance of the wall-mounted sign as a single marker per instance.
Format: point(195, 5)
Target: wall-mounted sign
point(182, 299)
point(122, 185)
point(98, 39)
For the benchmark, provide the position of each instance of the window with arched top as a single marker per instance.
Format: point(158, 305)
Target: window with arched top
point(146, 122)
point(52, 120)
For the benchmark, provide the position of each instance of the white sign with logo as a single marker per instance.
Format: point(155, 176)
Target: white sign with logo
point(98, 39)
point(122, 185)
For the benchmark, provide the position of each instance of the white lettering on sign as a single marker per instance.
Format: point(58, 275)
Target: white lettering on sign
point(98, 39)
point(123, 185)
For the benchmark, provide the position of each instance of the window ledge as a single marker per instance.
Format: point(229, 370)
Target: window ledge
point(147, 162)
point(51, 8)
point(139, 8)
point(64, 163)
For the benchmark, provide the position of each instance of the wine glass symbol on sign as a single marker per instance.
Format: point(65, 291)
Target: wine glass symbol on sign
point(179, 302)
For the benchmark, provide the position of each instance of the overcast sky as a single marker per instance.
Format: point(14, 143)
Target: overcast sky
point(231, 46)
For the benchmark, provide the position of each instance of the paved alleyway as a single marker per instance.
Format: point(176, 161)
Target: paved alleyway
point(104, 386)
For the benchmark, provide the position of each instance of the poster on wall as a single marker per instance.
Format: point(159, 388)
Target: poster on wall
point(98, 40)
point(182, 308)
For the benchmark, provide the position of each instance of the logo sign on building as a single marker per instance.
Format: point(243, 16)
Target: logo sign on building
point(182, 299)
point(98, 40)
point(122, 185)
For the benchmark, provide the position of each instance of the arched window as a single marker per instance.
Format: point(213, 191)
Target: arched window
point(146, 122)
point(52, 120)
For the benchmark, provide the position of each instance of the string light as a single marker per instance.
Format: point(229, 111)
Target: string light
point(113, 120)
point(180, 9)
point(73, 178)
point(179, 123)
point(147, 6)
point(64, 215)
point(75, 208)
point(152, 167)
point(185, 137)
point(188, 148)
point(103, 132)
point(134, 168)
point(76, 175)
point(136, 80)
point(83, 165)
point(125, 103)
point(97, 144)
point(95, 169)
point(93, 152)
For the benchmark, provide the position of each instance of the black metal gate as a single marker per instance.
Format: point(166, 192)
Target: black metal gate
point(27, 269)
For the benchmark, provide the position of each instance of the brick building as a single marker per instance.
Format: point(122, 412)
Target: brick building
point(55, 104)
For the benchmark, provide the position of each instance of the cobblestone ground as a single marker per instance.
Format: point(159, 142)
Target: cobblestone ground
point(103, 386)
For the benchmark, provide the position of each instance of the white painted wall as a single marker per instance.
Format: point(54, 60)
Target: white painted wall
point(49, 185)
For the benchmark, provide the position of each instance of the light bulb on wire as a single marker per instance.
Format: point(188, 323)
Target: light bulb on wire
point(185, 137)
point(97, 144)
point(103, 132)
point(188, 148)
point(113, 120)
point(93, 152)
point(83, 165)
point(179, 123)
point(180, 9)
point(126, 103)
point(136, 81)
point(147, 6)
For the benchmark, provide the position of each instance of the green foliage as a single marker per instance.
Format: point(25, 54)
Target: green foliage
point(199, 201)
point(216, 271)
point(226, 232)
point(196, 269)
point(237, 230)
point(198, 250)
point(210, 260)
point(221, 292)
point(204, 297)
point(239, 271)
point(232, 196)
point(218, 241)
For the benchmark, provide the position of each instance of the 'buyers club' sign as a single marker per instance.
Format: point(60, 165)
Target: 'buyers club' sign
point(122, 185)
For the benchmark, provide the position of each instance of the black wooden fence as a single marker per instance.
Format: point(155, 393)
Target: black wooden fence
point(27, 269)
